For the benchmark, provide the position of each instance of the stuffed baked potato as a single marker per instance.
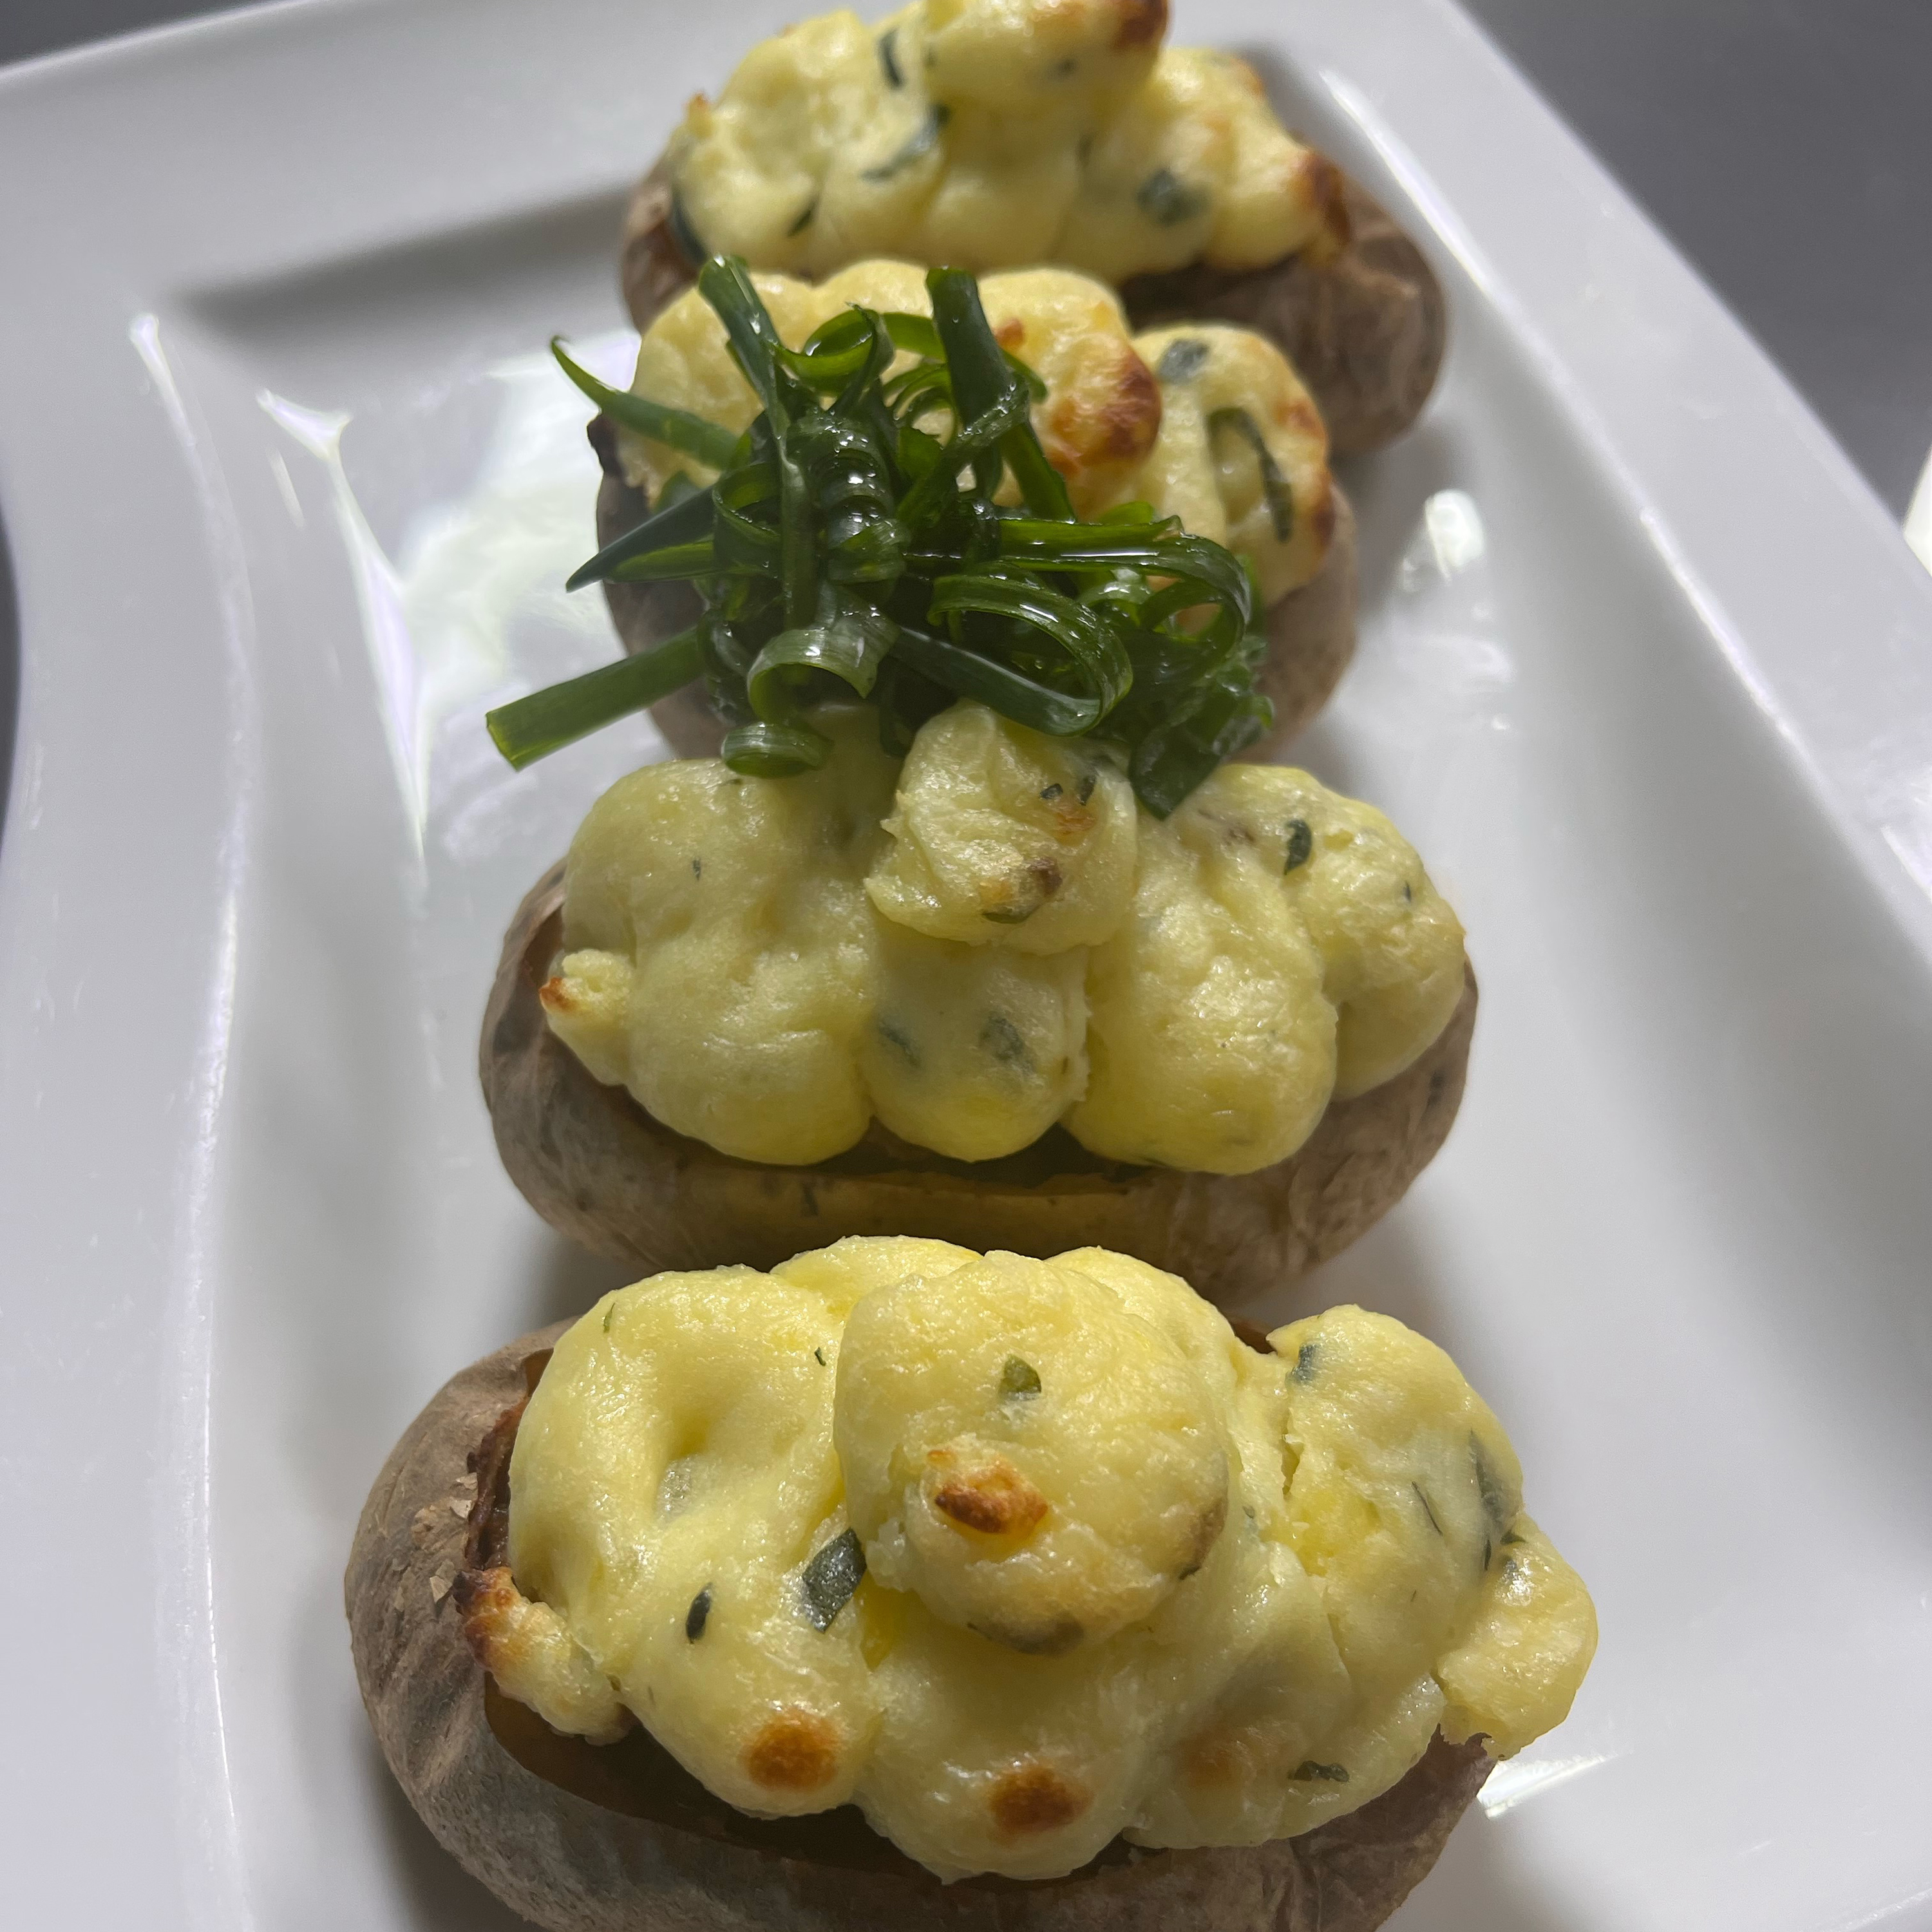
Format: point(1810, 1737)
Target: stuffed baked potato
point(611, 1095)
point(1203, 421)
point(1009, 942)
point(677, 1739)
point(996, 133)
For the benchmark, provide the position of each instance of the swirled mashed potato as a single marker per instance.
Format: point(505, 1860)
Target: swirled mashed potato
point(990, 939)
point(1021, 1556)
point(1170, 418)
point(987, 134)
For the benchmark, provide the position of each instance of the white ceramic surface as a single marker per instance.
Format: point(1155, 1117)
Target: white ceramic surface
point(1646, 673)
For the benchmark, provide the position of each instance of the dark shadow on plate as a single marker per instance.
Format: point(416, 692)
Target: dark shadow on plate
point(567, 1281)
point(9, 675)
point(442, 1897)
point(545, 243)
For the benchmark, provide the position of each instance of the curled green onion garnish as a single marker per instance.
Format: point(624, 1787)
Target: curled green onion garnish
point(687, 434)
point(854, 547)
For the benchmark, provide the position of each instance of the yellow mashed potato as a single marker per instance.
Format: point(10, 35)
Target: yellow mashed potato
point(1168, 418)
point(991, 938)
point(990, 133)
point(1020, 1555)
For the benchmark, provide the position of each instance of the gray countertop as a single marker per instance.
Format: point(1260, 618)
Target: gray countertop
point(1785, 145)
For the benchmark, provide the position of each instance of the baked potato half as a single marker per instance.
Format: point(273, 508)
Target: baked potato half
point(1311, 631)
point(603, 1171)
point(583, 1838)
point(1365, 329)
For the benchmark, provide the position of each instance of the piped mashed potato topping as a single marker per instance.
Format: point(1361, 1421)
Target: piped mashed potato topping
point(992, 938)
point(987, 134)
point(1021, 1556)
point(1172, 417)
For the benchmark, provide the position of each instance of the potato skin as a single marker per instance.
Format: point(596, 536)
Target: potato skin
point(1365, 332)
point(674, 1858)
point(601, 1170)
point(1311, 631)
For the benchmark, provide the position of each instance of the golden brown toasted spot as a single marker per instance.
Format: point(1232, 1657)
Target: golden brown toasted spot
point(795, 1749)
point(1011, 333)
point(1014, 896)
point(555, 995)
point(1108, 415)
point(1142, 23)
point(487, 1599)
point(1299, 416)
point(1072, 821)
point(1033, 1797)
point(995, 1498)
point(1212, 1758)
point(1133, 418)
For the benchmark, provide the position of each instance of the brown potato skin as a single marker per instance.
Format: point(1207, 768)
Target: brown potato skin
point(601, 1171)
point(1366, 330)
point(1311, 631)
point(660, 1855)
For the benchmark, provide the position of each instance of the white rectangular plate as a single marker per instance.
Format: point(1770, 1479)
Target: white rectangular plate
point(1645, 673)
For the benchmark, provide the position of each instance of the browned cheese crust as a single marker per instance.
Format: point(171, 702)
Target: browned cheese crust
point(600, 1169)
point(619, 1838)
point(1311, 631)
point(1365, 330)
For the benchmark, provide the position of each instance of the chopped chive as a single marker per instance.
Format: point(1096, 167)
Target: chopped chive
point(1019, 1380)
point(1274, 485)
point(698, 1616)
point(1167, 201)
point(831, 1577)
point(898, 1040)
point(922, 141)
point(1421, 1496)
point(1182, 360)
point(1007, 1044)
point(1300, 844)
point(1308, 1772)
point(1306, 1358)
point(1489, 1486)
